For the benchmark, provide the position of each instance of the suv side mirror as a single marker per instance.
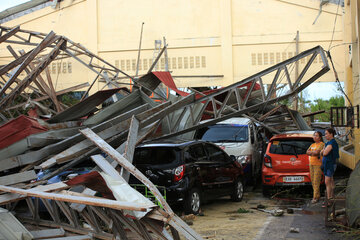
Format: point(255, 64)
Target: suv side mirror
point(232, 158)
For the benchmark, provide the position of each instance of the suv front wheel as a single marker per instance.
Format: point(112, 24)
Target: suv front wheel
point(193, 202)
point(238, 191)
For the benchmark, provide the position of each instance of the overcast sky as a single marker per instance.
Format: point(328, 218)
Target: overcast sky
point(312, 92)
point(5, 4)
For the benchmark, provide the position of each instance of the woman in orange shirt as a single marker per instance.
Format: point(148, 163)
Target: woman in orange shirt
point(315, 164)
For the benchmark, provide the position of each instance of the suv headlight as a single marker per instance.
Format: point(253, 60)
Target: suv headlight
point(244, 159)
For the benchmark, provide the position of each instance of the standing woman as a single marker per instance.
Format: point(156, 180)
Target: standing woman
point(315, 164)
point(330, 153)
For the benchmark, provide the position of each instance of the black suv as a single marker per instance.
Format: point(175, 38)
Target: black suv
point(191, 172)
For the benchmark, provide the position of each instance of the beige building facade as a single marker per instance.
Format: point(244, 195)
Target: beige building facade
point(350, 155)
point(210, 42)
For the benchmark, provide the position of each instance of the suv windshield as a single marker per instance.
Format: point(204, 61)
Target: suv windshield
point(290, 146)
point(156, 155)
point(224, 133)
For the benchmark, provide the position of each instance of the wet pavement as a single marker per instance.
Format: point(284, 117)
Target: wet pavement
point(227, 220)
point(309, 220)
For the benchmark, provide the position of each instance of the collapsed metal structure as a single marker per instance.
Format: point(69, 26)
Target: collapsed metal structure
point(116, 130)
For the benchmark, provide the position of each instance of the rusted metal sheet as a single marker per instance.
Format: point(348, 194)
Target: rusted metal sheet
point(18, 129)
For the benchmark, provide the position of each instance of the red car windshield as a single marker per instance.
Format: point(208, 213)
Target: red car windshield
point(290, 146)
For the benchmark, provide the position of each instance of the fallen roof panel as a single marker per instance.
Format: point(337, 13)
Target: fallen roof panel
point(84, 107)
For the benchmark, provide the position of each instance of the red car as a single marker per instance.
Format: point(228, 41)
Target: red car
point(285, 161)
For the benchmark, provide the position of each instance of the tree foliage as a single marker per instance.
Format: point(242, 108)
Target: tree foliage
point(320, 104)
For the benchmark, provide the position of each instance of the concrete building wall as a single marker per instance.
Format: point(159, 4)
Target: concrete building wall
point(210, 42)
point(352, 67)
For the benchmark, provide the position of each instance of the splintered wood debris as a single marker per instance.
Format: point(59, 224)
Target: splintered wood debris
point(59, 137)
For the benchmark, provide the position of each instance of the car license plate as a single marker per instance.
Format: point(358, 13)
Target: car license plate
point(293, 179)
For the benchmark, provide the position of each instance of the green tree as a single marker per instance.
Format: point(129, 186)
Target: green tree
point(320, 104)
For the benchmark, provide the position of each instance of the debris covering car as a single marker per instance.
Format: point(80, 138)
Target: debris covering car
point(285, 161)
point(239, 137)
point(192, 172)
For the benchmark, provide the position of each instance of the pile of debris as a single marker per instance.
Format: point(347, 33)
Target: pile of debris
point(99, 202)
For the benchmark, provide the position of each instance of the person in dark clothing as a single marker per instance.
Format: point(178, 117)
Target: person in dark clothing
point(330, 153)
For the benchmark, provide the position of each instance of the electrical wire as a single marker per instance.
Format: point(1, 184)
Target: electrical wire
point(337, 78)
point(332, 37)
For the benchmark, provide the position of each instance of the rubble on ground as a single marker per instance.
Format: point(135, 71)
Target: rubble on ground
point(57, 138)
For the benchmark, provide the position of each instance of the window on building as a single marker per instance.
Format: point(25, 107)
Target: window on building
point(197, 61)
point(203, 62)
point(174, 64)
point(272, 60)
point(266, 58)
point(64, 67)
point(180, 65)
point(191, 62)
point(259, 58)
point(69, 65)
point(278, 59)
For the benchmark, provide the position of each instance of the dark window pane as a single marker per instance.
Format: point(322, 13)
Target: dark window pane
point(156, 155)
point(290, 146)
point(215, 154)
point(224, 133)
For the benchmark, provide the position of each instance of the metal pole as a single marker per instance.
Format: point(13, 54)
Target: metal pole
point(296, 68)
point(138, 59)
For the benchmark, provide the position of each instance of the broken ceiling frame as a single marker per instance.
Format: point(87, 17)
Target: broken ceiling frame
point(41, 59)
point(235, 104)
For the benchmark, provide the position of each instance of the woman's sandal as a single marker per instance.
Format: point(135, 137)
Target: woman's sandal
point(314, 201)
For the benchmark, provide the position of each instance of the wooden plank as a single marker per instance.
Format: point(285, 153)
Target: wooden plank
point(13, 64)
point(67, 227)
point(18, 178)
point(32, 76)
point(39, 85)
point(130, 145)
point(127, 165)
point(9, 34)
point(76, 199)
point(43, 153)
point(52, 91)
point(143, 230)
point(93, 219)
point(79, 207)
point(83, 146)
point(91, 85)
point(118, 216)
point(48, 233)
point(48, 40)
point(79, 237)
point(101, 214)
point(13, 197)
point(106, 167)
point(130, 100)
point(50, 209)
point(156, 227)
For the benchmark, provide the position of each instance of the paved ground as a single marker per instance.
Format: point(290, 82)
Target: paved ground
point(309, 221)
point(222, 219)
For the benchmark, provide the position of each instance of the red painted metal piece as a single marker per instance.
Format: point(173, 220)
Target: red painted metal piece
point(17, 129)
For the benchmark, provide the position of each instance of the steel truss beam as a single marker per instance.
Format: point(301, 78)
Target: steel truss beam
point(102, 68)
point(241, 103)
